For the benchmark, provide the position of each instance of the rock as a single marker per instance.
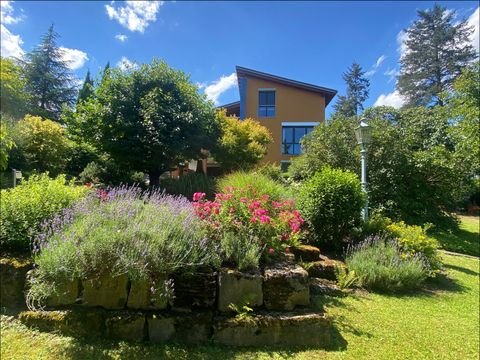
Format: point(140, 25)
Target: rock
point(285, 286)
point(286, 329)
point(306, 253)
point(324, 287)
point(106, 291)
point(325, 269)
point(141, 295)
point(197, 290)
point(235, 287)
point(192, 328)
point(126, 326)
point(66, 293)
point(161, 328)
point(81, 322)
point(13, 272)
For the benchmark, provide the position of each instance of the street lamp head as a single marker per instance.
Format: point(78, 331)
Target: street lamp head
point(363, 132)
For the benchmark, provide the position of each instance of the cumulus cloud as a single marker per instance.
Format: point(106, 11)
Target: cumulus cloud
point(135, 15)
point(393, 99)
point(121, 37)
point(126, 64)
point(7, 13)
point(474, 20)
point(218, 87)
point(75, 58)
point(402, 49)
point(11, 45)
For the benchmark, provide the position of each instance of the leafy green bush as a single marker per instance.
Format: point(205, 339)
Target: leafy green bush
point(121, 231)
point(189, 184)
point(245, 252)
point(380, 264)
point(414, 240)
point(331, 202)
point(254, 183)
point(27, 206)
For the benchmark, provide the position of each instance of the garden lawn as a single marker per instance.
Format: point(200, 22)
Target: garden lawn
point(466, 240)
point(440, 322)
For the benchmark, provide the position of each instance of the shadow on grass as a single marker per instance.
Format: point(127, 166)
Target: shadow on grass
point(461, 241)
point(462, 269)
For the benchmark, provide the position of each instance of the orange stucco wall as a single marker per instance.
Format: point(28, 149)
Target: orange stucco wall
point(291, 105)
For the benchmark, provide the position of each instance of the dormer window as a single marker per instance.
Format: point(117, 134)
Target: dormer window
point(266, 103)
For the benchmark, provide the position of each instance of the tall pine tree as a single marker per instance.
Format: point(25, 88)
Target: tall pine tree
point(357, 91)
point(49, 81)
point(436, 51)
point(87, 89)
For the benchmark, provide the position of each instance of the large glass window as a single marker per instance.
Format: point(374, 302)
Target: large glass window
point(291, 136)
point(266, 103)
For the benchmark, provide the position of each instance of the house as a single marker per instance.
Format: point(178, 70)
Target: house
point(288, 108)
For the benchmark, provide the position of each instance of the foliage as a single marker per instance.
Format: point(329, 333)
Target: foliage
point(272, 171)
point(121, 231)
point(189, 184)
point(244, 251)
point(87, 89)
point(357, 91)
point(345, 279)
point(6, 144)
point(331, 202)
point(254, 182)
point(464, 240)
point(242, 144)
point(411, 144)
point(147, 119)
point(245, 216)
point(41, 145)
point(29, 204)
point(48, 78)
point(78, 156)
point(437, 48)
point(380, 265)
point(413, 241)
point(243, 310)
point(13, 96)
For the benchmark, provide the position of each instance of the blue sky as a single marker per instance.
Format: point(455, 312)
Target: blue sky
point(313, 42)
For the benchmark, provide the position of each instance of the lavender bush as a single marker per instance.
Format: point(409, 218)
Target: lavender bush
point(120, 231)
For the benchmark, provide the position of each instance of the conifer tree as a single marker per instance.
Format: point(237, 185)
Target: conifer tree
point(357, 91)
point(87, 89)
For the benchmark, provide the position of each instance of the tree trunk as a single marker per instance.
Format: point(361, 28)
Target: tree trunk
point(154, 176)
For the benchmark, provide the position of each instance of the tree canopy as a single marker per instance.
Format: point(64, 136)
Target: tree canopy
point(437, 49)
point(357, 91)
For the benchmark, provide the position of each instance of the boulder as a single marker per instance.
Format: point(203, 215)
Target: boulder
point(306, 253)
point(195, 290)
point(191, 328)
point(324, 269)
point(106, 291)
point(324, 287)
point(285, 286)
point(66, 293)
point(161, 328)
point(286, 329)
point(126, 326)
point(81, 322)
point(240, 288)
point(142, 295)
point(13, 273)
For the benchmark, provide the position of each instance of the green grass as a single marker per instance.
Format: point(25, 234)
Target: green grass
point(439, 322)
point(465, 240)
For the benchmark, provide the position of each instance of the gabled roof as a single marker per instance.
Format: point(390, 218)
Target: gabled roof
point(328, 93)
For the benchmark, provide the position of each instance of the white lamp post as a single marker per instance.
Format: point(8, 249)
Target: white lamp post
point(364, 134)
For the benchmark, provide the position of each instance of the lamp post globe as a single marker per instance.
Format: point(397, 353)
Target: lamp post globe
point(363, 134)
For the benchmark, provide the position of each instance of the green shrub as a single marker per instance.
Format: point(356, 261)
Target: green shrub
point(189, 184)
point(27, 206)
point(414, 240)
point(121, 231)
point(243, 251)
point(379, 264)
point(253, 182)
point(331, 202)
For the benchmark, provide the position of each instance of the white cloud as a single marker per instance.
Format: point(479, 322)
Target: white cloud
point(391, 73)
point(375, 66)
point(6, 13)
point(370, 73)
point(125, 64)
point(402, 37)
point(218, 87)
point(74, 57)
point(393, 99)
point(474, 20)
point(135, 15)
point(121, 37)
point(380, 60)
point(10, 44)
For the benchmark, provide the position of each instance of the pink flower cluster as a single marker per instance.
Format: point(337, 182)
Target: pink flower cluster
point(277, 224)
